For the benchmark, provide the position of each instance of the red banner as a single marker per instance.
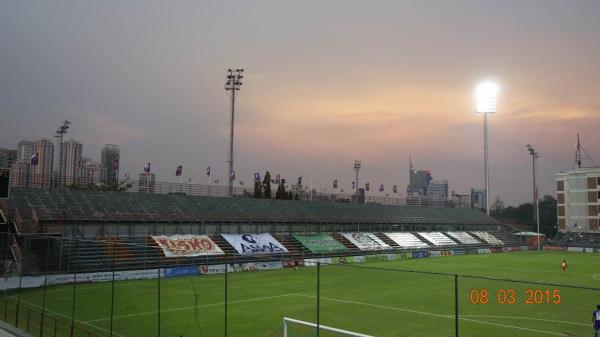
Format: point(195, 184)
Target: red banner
point(187, 245)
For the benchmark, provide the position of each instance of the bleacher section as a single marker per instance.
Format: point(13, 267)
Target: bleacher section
point(490, 239)
point(576, 240)
point(407, 240)
point(75, 205)
point(463, 238)
point(437, 239)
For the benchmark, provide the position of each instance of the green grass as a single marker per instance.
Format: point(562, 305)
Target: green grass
point(357, 297)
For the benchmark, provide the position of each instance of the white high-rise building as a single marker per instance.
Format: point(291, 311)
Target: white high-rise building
point(71, 159)
point(110, 160)
point(578, 200)
point(437, 192)
point(41, 174)
point(24, 150)
point(93, 172)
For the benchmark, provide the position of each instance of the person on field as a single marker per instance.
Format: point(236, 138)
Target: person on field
point(596, 320)
point(563, 265)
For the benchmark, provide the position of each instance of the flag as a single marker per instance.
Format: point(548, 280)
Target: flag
point(277, 179)
point(147, 168)
point(179, 171)
point(115, 165)
point(381, 188)
point(299, 181)
point(34, 159)
point(256, 177)
point(232, 175)
point(367, 186)
point(208, 171)
point(353, 185)
point(395, 189)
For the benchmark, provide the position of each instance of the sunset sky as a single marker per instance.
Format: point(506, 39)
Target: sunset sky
point(326, 82)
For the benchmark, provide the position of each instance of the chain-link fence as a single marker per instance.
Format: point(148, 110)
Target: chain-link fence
point(106, 288)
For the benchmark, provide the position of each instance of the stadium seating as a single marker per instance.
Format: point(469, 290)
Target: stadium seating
point(489, 238)
point(464, 238)
point(437, 239)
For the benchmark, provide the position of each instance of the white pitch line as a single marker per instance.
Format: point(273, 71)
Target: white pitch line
point(527, 318)
point(596, 277)
point(436, 315)
point(192, 307)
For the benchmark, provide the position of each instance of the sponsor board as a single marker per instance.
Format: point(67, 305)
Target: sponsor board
point(313, 262)
point(366, 241)
point(320, 243)
point(554, 248)
point(496, 250)
point(447, 253)
point(403, 256)
point(435, 253)
point(484, 251)
point(214, 269)
point(373, 258)
point(420, 254)
point(252, 266)
point(460, 252)
point(253, 244)
point(524, 248)
point(187, 245)
point(575, 249)
point(181, 271)
point(357, 259)
point(293, 263)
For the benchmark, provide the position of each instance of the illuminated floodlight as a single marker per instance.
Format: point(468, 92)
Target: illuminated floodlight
point(487, 97)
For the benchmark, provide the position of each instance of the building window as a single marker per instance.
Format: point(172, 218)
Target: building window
point(598, 180)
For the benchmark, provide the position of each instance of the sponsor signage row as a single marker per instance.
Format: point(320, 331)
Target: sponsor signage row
point(320, 243)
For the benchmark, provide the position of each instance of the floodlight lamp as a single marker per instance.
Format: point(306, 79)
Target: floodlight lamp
point(487, 97)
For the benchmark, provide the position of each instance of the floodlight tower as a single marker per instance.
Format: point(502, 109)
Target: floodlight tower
point(60, 132)
point(357, 165)
point(232, 85)
point(487, 97)
point(534, 157)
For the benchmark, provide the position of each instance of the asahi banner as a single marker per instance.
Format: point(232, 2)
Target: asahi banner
point(253, 244)
point(366, 241)
point(320, 243)
point(187, 245)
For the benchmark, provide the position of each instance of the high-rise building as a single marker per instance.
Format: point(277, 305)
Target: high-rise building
point(578, 205)
point(41, 174)
point(437, 192)
point(24, 150)
point(19, 173)
point(419, 181)
point(478, 199)
point(146, 182)
point(110, 161)
point(7, 158)
point(71, 159)
point(93, 172)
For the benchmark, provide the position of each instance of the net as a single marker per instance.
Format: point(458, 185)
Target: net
point(297, 328)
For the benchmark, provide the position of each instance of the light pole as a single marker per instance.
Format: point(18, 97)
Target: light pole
point(232, 84)
point(487, 97)
point(357, 165)
point(534, 157)
point(60, 132)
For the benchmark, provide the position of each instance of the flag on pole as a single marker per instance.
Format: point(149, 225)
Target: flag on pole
point(277, 179)
point(34, 159)
point(179, 171)
point(232, 175)
point(147, 168)
point(381, 188)
point(335, 184)
point(208, 171)
point(367, 186)
point(395, 189)
point(256, 177)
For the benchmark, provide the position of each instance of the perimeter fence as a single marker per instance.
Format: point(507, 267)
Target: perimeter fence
point(67, 291)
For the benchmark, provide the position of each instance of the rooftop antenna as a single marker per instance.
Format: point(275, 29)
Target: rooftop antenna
point(578, 149)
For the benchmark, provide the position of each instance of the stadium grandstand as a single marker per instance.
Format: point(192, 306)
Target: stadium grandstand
point(91, 226)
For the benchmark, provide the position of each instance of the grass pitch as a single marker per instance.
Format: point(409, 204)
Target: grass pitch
point(357, 297)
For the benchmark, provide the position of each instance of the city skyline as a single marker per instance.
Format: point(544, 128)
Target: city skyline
point(322, 88)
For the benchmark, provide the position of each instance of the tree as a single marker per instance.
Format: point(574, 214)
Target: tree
point(498, 205)
point(257, 189)
point(548, 216)
point(267, 186)
point(281, 193)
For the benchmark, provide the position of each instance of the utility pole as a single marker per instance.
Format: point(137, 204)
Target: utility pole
point(60, 132)
point(232, 84)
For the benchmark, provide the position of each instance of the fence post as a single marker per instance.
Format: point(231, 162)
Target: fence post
point(318, 298)
point(74, 288)
point(45, 282)
point(112, 293)
point(455, 305)
point(158, 291)
point(226, 273)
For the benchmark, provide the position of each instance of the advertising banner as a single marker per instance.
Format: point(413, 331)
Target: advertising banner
point(483, 251)
point(554, 248)
point(435, 253)
point(252, 266)
point(420, 254)
point(254, 244)
point(187, 245)
point(320, 243)
point(313, 262)
point(366, 241)
point(181, 271)
point(575, 249)
point(403, 256)
point(293, 263)
point(357, 259)
point(373, 258)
